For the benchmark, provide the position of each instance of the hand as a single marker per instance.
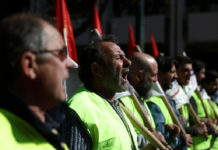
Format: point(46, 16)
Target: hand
point(149, 147)
point(188, 140)
point(162, 139)
point(215, 121)
point(173, 129)
point(201, 128)
point(209, 122)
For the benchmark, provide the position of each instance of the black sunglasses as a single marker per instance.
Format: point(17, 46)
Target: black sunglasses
point(59, 53)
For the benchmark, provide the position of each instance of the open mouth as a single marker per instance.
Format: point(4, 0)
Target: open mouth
point(125, 72)
point(64, 84)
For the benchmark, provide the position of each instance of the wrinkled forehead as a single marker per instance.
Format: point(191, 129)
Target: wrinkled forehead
point(110, 49)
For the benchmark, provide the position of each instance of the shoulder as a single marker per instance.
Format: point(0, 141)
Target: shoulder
point(153, 107)
point(83, 99)
point(156, 112)
point(128, 102)
point(80, 92)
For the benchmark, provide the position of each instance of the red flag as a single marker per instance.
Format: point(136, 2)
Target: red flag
point(97, 23)
point(132, 43)
point(154, 45)
point(65, 28)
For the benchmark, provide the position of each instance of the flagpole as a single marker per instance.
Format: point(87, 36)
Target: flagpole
point(137, 48)
point(142, 113)
point(96, 33)
point(169, 107)
point(195, 117)
point(202, 102)
point(143, 130)
point(214, 110)
point(174, 117)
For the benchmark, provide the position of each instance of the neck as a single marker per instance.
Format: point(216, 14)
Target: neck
point(106, 94)
point(180, 83)
point(33, 102)
point(102, 92)
point(38, 112)
point(164, 88)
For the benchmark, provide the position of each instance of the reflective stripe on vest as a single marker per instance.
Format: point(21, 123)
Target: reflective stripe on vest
point(17, 134)
point(104, 125)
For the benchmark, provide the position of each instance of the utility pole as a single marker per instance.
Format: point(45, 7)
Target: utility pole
point(140, 24)
point(177, 23)
point(172, 26)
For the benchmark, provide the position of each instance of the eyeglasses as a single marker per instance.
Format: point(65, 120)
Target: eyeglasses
point(59, 53)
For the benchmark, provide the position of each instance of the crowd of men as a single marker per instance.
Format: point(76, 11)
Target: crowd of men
point(171, 100)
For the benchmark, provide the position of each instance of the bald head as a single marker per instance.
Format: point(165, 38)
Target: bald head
point(143, 72)
point(142, 61)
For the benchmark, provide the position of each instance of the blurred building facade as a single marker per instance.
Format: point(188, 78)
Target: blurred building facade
point(178, 25)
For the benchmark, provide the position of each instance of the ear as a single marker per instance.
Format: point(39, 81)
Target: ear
point(139, 75)
point(96, 69)
point(28, 64)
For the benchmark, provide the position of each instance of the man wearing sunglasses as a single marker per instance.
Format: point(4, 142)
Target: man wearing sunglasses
point(34, 67)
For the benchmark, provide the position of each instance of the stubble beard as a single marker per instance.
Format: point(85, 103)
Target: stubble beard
point(144, 90)
point(114, 83)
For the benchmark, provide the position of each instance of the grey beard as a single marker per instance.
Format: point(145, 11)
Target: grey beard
point(144, 91)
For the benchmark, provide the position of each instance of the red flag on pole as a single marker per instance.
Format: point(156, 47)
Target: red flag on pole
point(132, 43)
point(97, 23)
point(154, 45)
point(65, 28)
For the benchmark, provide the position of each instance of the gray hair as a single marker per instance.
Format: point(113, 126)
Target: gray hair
point(18, 34)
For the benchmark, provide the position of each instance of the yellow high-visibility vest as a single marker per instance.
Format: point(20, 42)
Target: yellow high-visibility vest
point(17, 134)
point(200, 142)
point(159, 102)
point(129, 104)
point(107, 130)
